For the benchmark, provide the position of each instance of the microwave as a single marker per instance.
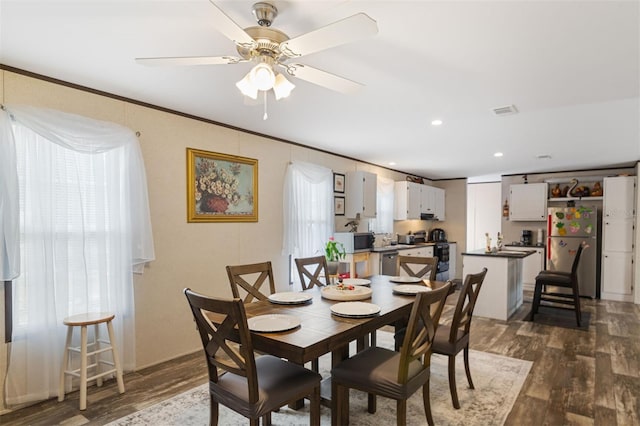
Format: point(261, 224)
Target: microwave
point(355, 242)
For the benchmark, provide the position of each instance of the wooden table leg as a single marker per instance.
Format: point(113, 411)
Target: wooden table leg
point(338, 356)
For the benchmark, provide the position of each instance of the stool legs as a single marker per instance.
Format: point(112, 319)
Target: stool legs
point(65, 365)
point(116, 360)
point(83, 367)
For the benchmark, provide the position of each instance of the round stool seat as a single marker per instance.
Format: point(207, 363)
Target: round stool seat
point(88, 318)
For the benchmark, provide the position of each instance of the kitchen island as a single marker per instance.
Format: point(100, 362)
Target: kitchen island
point(501, 292)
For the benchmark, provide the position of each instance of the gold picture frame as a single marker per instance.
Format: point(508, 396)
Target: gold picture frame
point(221, 187)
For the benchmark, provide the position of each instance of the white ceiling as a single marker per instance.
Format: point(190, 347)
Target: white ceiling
point(572, 68)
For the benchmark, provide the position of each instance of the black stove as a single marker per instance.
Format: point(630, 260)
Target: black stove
point(441, 251)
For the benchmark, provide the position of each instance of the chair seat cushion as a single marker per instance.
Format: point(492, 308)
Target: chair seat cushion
point(441, 344)
point(558, 279)
point(279, 382)
point(375, 370)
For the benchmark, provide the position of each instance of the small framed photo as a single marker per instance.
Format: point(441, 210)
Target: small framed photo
point(338, 205)
point(338, 183)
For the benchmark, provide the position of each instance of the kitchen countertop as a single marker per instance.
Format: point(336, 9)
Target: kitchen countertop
point(522, 245)
point(503, 253)
point(404, 247)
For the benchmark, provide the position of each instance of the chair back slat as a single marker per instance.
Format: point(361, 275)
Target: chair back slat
point(418, 266)
point(257, 273)
point(226, 340)
point(312, 271)
point(576, 260)
point(463, 313)
point(421, 329)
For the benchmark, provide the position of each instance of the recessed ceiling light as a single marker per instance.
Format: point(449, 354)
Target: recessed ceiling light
point(498, 154)
point(436, 122)
point(392, 163)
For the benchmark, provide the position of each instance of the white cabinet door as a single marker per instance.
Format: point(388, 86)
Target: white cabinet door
point(360, 194)
point(439, 203)
point(619, 198)
point(407, 200)
point(428, 200)
point(617, 235)
point(410, 252)
point(617, 272)
point(528, 202)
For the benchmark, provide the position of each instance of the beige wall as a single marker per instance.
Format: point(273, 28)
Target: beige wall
point(187, 254)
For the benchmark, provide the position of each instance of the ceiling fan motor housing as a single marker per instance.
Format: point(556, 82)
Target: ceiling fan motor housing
point(265, 13)
point(267, 43)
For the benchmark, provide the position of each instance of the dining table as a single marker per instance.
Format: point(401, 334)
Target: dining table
point(321, 332)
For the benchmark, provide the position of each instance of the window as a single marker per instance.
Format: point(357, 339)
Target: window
point(308, 210)
point(77, 204)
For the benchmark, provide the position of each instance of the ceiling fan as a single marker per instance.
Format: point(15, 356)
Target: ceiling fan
point(271, 49)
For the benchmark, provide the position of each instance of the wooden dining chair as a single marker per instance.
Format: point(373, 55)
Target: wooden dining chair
point(250, 386)
point(391, 374)
point(414, 266)
point(250, 278)
point(418, 266)
point(451, 339)
point(312, 271)
point(555, 299)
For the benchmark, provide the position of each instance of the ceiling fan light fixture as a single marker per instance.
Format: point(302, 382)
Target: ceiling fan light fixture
point(282, 87)
point(262, 76)
point(247, 87)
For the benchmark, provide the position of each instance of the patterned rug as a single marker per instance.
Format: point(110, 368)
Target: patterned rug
point(497, 379)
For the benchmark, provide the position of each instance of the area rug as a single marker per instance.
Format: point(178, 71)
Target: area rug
point(497, 381)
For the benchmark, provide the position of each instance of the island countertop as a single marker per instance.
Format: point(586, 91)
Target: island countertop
point(501, 253)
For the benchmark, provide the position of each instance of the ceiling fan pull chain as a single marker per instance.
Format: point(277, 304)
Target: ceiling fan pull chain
point(265, 116)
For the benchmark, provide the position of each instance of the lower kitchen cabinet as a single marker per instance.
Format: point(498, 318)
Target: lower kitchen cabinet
point(426, 251)
point(531, 265)
point(453, 253)
point(617, 276)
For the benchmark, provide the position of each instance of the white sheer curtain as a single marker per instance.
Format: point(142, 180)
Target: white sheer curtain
point(383, 222)
point(308, 209)
point(83, 217)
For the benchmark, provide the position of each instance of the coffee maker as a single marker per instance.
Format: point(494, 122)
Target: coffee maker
point(527, 237)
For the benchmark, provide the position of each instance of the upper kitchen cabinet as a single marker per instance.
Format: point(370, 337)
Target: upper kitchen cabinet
point(412, 199)
point(360, 194)
point(528, 202)
point(439, 209)
point(619, 197)
point(432, 201)
point(407, 200)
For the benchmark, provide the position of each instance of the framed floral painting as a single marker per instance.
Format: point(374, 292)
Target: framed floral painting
point(221, 187)
point(338, 182)
point(338, 206)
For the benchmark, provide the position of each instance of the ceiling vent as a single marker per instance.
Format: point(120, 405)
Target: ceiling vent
point(505, 110)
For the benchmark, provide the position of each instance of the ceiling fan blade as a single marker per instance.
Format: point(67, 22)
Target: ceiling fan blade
point(190, 60)
point(347, 30)
point(229, 28)
point(323, 78)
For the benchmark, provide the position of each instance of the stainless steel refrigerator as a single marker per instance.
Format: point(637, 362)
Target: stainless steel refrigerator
point(567, 228)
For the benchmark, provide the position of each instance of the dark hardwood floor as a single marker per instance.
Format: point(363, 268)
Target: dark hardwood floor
point(579, 377)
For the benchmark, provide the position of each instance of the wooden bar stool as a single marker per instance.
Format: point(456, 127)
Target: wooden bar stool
point(98, 347)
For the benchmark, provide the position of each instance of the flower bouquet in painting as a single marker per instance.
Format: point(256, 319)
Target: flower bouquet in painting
point(218, 186)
